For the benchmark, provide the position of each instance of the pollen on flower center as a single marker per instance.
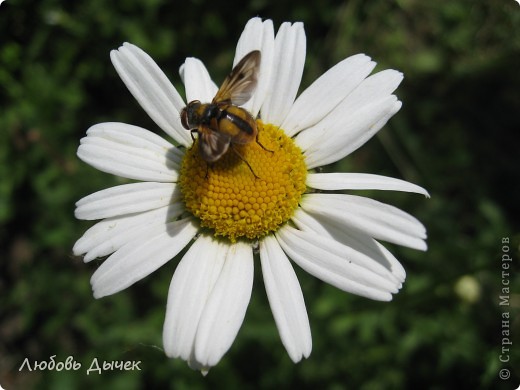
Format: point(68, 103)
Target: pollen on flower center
point(228, 198)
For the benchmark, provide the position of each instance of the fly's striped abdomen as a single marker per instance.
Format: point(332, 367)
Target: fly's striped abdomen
point(242, 124)
point(238, 123)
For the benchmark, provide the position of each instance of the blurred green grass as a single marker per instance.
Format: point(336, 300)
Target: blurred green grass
point(456, 135)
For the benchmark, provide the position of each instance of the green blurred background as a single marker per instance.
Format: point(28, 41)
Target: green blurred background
point(456, 135)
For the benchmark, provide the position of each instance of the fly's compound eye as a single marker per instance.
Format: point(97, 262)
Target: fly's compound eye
point(189, 115)
point(184, 118)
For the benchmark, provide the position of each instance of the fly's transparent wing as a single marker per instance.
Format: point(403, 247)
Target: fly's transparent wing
point(212, 144)
point(239, 86)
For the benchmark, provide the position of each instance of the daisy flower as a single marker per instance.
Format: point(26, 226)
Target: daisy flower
point(221, 214)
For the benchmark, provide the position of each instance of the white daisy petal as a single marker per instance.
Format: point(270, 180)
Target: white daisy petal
point(312, 253)
point(288, 62)
point(137, 136)
point(139, 258)
point(373, 89)
point(339, 140)
point(111, 234)
point(251, 38)
point(197, 80)
point(396, 267)
point(190, 288)
point(374, 271)
point(360, 181)
point(152, 89)
point(225, 309)
point(309, 223)
point(326, 92)
point(208, 297)
point(257, 35)
point(286, 300)
point(114, 158)
point(126, 199)
point(131, 152)
point(376, 87)
point(374, 218)
point(360, 242)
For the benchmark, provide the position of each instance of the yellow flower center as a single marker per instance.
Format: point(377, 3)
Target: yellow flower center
point(228, 198)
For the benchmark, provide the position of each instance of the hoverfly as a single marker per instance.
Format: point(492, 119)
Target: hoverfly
point(222, 124)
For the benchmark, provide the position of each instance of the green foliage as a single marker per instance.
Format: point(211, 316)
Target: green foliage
point(457, 135)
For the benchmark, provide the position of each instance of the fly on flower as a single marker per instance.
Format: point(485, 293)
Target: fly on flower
point(221, 123)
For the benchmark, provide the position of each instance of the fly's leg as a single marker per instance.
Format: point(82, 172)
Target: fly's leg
point(263, 147)
point(244, 160)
